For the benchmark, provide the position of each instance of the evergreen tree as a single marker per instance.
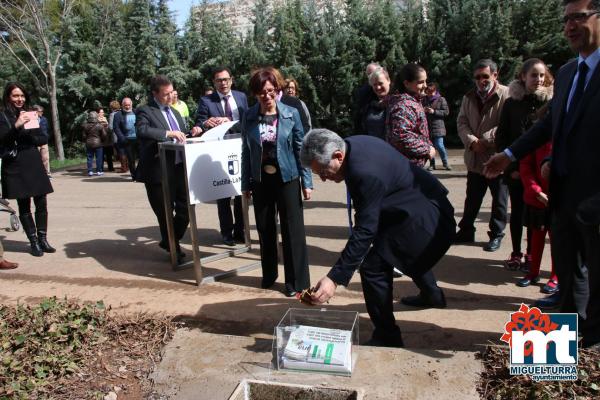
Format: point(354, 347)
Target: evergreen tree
point(141, 61)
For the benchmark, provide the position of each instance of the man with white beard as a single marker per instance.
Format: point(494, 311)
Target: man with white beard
point(477, 122)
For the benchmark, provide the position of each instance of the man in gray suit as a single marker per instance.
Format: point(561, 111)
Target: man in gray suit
point(156, 122)
point(573, 125)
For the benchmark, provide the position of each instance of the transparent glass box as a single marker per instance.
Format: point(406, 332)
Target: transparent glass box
point(321, 320)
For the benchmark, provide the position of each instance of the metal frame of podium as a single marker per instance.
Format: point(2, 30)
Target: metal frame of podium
point(197, 262)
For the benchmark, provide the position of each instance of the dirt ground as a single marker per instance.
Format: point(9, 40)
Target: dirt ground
point(106, 236)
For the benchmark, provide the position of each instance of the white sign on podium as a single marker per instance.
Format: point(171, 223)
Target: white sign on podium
point(214, 169)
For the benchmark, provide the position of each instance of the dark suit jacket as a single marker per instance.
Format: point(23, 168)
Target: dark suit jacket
point(297, 104)
point(151, 128)
point(581, 183)
point(400, 208)
point(210, 106)
point(361, 97)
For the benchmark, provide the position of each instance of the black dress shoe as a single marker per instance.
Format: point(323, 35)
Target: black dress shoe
point(228, 240)
point(289, 291)
point(267, 283)
point(493, 244)
point(464, 237)
point(180, 257)
point(180, 253)
point(239, 237)
point(423, 302)
point(549, 302)
point(378, 342)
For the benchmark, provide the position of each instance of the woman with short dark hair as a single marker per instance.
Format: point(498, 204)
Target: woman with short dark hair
point(23, 174)
point(273, 175)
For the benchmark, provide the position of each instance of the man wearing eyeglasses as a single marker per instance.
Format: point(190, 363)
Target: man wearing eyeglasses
point(224, 105)
point(477, 123)
point(573, 125)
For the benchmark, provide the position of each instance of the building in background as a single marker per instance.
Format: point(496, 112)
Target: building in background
point(239, 12)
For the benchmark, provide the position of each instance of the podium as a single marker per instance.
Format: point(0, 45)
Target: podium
point(213, 171)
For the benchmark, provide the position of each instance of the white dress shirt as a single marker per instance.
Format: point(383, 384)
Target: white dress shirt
point(232, 104)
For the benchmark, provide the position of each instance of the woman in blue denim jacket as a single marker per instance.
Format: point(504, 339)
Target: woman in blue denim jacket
point(272, 173)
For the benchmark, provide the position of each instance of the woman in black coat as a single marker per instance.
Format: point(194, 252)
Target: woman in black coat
point(23, 175)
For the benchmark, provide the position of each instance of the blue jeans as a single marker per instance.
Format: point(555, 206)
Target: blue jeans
point(438, 143)
point(99, 159)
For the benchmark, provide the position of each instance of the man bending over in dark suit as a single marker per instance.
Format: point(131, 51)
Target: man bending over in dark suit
point(401, 210)
point(157, 122)
point(572, 123)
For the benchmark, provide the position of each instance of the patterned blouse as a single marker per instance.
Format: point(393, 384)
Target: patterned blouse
point(268, 138)
point(406, 128)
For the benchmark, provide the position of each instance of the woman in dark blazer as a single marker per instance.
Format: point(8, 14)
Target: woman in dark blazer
point(23, 175)
point(272, 173)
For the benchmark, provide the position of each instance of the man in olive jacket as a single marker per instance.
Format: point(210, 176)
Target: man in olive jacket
point(478, 119)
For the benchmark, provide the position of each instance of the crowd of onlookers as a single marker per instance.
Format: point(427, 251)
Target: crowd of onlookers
point(408, 113)
point(507, 133)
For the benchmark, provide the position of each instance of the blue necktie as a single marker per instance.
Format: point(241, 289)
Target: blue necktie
point(174, 127)
point(559, 158)
point(171, 119)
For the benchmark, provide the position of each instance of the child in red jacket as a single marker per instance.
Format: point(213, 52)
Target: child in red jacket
point(537, 217)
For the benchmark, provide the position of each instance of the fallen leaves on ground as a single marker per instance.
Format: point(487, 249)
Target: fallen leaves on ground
point(62, 349)
point(496, 383)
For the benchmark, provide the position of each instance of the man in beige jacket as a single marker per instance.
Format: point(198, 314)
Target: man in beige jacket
point(477, 122)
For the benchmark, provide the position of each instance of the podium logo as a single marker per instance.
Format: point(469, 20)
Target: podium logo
point(233, 165)
point(542, 345)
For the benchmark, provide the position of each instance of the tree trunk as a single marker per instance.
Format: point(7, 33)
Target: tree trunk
point(60, 152)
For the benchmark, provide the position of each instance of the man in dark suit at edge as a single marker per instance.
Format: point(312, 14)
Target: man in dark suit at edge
point(573, 125)
point(221, 106)
point(157, 122)
point(401, 210)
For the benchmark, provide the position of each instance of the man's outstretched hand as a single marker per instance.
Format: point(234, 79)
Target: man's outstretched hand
point(495, 165)
point(324, 290)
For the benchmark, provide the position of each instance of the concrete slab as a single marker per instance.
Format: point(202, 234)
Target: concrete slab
point(198, 365)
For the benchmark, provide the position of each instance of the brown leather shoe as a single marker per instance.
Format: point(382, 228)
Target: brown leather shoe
point(5, 264)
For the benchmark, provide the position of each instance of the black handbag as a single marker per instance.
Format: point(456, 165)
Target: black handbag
point(10, 151)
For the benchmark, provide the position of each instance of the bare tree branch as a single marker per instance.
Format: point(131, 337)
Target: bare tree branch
point(28, 26)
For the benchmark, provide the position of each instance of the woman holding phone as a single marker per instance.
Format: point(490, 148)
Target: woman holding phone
point(23, 173)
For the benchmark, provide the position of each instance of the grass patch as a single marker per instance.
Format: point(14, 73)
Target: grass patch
point(61, 349)
point(496, 383)
point(67, 162)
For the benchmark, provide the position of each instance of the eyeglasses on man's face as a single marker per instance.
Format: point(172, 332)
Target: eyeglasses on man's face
point(578, 16)
point(222, 80)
